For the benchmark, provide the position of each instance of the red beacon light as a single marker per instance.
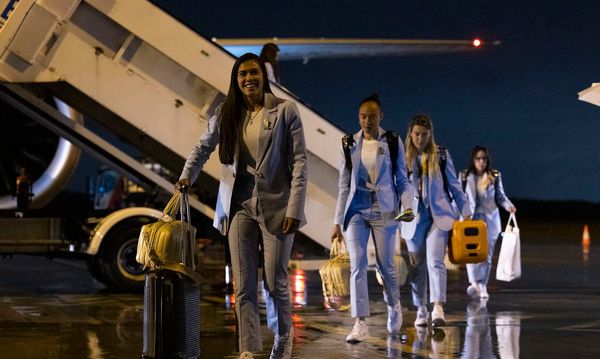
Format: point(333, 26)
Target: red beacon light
point(477, 43)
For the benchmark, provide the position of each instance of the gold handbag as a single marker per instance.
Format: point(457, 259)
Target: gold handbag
point(170, 243)
point(335, 276)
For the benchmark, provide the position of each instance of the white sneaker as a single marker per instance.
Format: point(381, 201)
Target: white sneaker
point(246, 355)
point(359, 332)
point(437, 316)
point(421, 320)
point(394, 321)
point(282, 345)
point(473, 291)
point(483, 293)
point(394, 346)
point(420, 336)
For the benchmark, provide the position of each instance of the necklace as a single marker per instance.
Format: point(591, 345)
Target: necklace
point(252, 116)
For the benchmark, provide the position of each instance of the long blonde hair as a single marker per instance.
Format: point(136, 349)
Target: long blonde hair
point(431, 149)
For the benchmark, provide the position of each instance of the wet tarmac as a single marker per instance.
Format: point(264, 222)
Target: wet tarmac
point(54, 309)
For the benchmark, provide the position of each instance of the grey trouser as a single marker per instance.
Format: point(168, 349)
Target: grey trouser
point(247, 229)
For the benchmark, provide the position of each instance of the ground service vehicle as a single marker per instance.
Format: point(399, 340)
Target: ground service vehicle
point(125, 83)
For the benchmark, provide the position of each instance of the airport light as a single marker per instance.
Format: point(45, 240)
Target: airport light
point(477, 42)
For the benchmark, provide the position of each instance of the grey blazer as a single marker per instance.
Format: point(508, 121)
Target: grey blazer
point(281, 167)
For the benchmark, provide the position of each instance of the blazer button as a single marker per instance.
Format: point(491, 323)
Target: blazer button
point(259, 175)
point(234, 175)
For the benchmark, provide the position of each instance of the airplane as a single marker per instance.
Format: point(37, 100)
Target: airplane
point(306, 49)
point(591, 94)
point(71, 68)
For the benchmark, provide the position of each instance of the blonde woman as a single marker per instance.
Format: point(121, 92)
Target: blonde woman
point(434, 186)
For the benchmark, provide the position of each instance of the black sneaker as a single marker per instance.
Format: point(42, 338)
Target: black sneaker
point(282, 345)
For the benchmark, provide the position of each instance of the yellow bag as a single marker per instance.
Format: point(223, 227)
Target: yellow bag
point(401, 270)
point(468, 242)
point(335, 276)
point(170, 243)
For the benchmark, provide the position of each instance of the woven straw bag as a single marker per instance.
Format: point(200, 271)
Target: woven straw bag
point(401, 270)
point(335, 275)
point(170, 243)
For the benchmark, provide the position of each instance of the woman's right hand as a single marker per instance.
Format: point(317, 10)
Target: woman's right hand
point(182, 182)
point(337, 233)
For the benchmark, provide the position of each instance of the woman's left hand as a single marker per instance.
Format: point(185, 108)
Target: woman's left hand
point(512, 209)
point(290, 225)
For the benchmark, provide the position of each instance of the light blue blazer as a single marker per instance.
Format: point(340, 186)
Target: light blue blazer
point(441, 207)
point(387, 191)
point(488, 206)
point(281, 166)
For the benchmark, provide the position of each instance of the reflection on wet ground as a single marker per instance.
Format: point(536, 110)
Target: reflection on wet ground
point(54, 309)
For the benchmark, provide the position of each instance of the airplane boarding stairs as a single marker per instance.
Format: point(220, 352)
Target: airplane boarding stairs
point(147, 78)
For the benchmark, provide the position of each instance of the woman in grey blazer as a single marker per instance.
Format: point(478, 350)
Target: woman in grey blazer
point(485, 192)
point(434, 186)
point(369, 199)
point(261, 197)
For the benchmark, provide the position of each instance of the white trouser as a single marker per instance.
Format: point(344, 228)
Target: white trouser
point(426, 250)
point(364, 222)
point(480, 272)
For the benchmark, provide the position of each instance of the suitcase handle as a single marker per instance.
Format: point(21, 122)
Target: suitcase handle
point(184, 210)
point(184, 204)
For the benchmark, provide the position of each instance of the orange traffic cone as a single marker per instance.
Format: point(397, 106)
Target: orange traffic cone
point(585, 240)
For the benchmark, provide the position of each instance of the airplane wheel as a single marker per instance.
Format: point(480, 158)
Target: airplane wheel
point(118, 260)
point(95, 268)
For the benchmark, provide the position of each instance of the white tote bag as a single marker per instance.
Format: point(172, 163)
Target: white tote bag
point(508, 329)
point(509, 261)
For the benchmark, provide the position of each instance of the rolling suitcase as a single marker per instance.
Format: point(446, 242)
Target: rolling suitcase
point(171, 291)
point(171, 316)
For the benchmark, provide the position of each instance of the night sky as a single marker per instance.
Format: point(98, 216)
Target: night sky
point(518, 99)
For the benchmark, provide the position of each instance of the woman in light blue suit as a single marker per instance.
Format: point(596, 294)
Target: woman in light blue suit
point(368, 202)
point(485, 192)
point(434, 186)
point(261, 196)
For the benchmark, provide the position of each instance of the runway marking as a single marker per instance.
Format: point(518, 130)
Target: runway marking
point(584, 327)
point(213, 299)
point(307, 264)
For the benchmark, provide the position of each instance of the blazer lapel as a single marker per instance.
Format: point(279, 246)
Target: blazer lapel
point(471, 190)
point(355, 152)
point(269, 119)
point(415, 176)
point(380, 157)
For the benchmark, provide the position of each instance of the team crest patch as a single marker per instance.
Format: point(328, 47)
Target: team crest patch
point(266, 124)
